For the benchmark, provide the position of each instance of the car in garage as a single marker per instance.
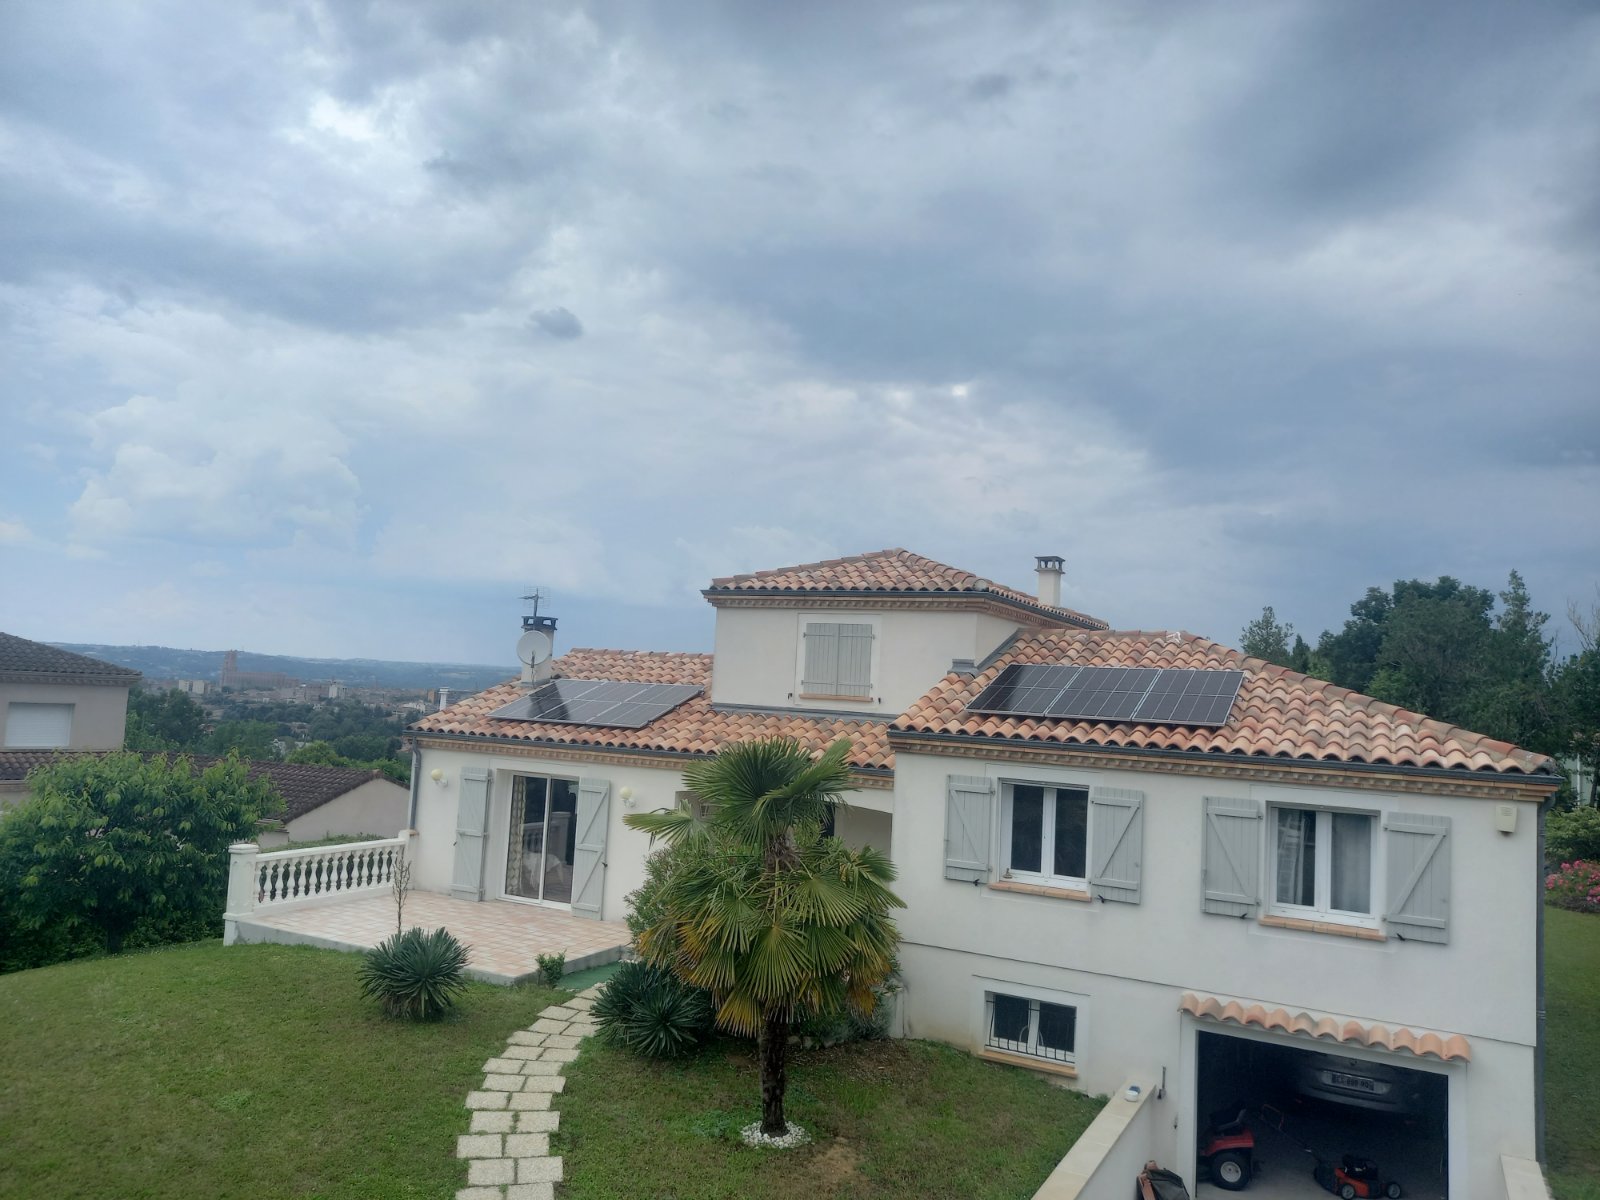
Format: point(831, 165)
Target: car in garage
point(1358, 1083)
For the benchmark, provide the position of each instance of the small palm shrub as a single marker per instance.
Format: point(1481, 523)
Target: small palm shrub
point(1574, 885)
point(416, 974)
point(650, 1011)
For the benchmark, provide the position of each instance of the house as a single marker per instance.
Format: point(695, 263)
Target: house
point(318, 801)
point(1124, 854)
point(324, 802)
point(53, 699)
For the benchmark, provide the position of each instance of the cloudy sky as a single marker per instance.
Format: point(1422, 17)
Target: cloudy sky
point(326, 328)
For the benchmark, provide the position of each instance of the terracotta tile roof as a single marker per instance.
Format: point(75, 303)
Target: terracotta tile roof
point(1278, 713)
point(693, 728)
point(1443, 1046)
point(890, 572)
point(303, 786)
point(22, 660)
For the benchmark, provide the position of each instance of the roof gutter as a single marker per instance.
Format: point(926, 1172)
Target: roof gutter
point(480, 739)
point(1539, 1011)
point(800, 596)
point(1456, 774)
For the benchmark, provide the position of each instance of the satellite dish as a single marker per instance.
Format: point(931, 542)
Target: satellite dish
point(533, 647)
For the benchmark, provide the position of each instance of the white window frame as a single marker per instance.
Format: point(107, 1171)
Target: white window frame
point(1034, 997)
point(1323, 909)
point(1047, 835)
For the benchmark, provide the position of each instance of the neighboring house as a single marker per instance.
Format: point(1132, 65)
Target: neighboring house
point(323, 802)
point(318, 801)
point(1233, 878)
point(55, 700)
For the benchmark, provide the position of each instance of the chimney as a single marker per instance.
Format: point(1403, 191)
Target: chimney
point(1048, 567)
point(536, 652)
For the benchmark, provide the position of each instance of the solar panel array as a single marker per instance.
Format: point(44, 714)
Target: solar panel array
point(1152, 695)
point(609, 702)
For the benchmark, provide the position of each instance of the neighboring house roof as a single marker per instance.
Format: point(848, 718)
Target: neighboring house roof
point(889, 573)
point(303, 786)
point(22, 661)
point(694, 728)
point(1279, 713)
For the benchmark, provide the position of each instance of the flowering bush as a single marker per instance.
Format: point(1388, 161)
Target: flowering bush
point(1575, 885)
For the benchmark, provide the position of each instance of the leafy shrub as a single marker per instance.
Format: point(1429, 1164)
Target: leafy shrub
point(847, 1025)
point(650, 1011)
point(118, 852)
point(1574, 885)
point(416, 974)
point(552, 967)
point(1572, 835)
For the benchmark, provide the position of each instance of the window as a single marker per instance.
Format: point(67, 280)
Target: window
point(1322, 861)
point(1023, 1025)
point(1045, 833)
point(838, 661)
point(38, 726)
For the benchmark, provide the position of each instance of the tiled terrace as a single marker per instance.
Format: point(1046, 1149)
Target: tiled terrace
point(505, 938)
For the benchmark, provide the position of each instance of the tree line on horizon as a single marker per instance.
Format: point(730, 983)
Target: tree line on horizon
point(1464, 655)
point(341, 733)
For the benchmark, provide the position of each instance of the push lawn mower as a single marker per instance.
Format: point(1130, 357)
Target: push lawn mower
point(1349, 1178)
point(1353, 1177)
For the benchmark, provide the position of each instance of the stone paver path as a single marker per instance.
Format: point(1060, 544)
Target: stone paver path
point(507, 1149)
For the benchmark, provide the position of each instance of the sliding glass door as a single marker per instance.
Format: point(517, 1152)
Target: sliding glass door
point(543, 835)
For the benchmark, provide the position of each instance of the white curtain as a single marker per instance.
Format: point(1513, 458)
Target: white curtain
point(1351, 876)
point(1297, 856)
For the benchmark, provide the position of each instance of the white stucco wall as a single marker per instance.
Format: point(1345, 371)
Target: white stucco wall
point(760, 654)
point(866, 821)
point(99, 717)
point(379, 807)
point(1126, 966)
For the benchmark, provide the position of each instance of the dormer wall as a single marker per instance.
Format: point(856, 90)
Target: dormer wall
point(865, 661)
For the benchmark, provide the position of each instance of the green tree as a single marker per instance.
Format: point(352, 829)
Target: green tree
point(168, 720)
point(317, 754)
point(248, 739)
point(107, 845)
point(775, 920)
point(1267, 638)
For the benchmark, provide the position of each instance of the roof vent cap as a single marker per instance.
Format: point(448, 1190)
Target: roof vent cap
point(964, 667)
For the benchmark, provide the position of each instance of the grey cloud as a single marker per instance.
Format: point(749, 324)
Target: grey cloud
point(558, 322)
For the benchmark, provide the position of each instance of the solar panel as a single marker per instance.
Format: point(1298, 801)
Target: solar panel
point(1160, 696)
point(1023, 689)
point(610, 702)
point(1191, 697)
point(1104, 693)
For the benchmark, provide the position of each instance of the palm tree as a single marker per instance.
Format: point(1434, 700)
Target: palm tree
point(777, 921)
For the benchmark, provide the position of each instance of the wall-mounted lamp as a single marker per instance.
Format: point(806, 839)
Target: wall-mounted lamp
point(627, 796)
point(437, 776)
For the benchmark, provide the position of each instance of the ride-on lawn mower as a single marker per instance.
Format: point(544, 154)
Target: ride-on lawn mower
point(1228, 1149)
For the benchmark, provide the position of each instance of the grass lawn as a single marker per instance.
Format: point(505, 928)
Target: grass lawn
point(249, 1071)
point(1572, 1062)
point(891, 1119)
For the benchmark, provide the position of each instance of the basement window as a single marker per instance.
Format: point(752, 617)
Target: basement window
point(1026, 1025)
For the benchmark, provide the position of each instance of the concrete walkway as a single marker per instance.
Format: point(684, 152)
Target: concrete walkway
point(507, 1150)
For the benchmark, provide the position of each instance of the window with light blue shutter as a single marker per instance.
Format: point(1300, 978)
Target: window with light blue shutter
point(838, 660)
point(1418, 853)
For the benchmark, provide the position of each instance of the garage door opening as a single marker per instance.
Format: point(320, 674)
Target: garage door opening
point(1331, 1106)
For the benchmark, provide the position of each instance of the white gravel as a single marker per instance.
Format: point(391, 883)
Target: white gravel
point(792, 1136)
